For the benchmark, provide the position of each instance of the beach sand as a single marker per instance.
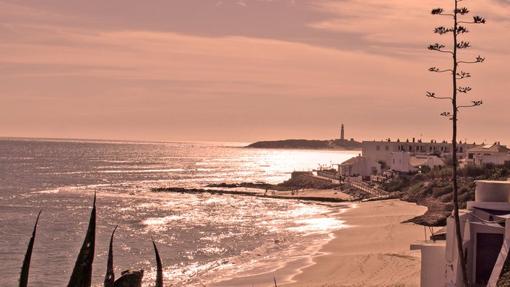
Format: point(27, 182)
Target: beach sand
point(372, 251)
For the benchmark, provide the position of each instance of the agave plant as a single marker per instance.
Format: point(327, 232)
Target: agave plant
point(23, 279)
point(109, 278)
point(82, 271)
point(159, 267)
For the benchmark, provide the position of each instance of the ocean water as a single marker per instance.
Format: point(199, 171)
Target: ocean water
point(202, 238)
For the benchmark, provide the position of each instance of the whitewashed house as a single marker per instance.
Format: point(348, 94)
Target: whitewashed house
point(408, 156)
point(407, 162)
point(485, 228)
point(359, 166)
point(489, 154)
point(382, 150)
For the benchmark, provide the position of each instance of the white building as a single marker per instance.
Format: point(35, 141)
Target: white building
point(409, 162)
point(408, 156)
point(381, 150)
point(494, 154)
point(485, 228)
point(359, 166)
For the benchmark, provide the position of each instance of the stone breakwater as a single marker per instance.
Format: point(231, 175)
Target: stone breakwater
point(303, 195)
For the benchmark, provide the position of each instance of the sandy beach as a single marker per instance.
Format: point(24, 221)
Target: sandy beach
point(372, 251)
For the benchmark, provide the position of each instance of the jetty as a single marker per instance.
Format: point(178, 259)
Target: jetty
point(314, 195)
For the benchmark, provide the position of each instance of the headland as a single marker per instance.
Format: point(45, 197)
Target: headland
point(336, 144)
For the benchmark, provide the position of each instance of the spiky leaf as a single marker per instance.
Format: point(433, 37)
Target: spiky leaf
point(159, 267)
point(23, 279)
point(82, 272)
point(109, 278)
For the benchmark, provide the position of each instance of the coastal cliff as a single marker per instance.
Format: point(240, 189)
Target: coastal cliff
point(308, 144)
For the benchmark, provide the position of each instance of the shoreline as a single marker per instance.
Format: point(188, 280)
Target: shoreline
point(376, 247)
point(374, 242)
point(290, 262)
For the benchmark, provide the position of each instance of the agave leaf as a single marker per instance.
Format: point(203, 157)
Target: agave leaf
point(82, 272)
point(159, 274)
point(130, 279)
point(23, 279)
point(109, 278)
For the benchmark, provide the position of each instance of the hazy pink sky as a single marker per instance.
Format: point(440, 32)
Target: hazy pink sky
point(241, 70)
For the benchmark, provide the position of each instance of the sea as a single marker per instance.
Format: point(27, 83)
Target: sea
point(203, 239)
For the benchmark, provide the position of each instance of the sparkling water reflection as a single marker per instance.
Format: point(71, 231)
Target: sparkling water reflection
point(200, 237)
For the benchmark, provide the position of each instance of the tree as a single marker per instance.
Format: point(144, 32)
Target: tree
point(458, 29)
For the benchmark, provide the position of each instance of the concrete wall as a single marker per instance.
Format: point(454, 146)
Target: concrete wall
point(433, 265)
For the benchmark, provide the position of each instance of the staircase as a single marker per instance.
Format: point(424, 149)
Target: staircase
point(374, 191)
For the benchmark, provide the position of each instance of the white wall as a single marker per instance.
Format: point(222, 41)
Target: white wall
point(359, 166)
point(491, 158)
point(400, 161)
point(433, 265)
point(381, 150)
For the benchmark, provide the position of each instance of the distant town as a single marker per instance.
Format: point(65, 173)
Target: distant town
point(384, 157)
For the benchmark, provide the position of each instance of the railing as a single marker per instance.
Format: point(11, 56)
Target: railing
point(374, 191)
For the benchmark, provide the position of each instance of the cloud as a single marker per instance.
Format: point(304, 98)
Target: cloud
point(194, 69)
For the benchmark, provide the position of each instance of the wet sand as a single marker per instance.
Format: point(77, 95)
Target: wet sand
point(372, 251)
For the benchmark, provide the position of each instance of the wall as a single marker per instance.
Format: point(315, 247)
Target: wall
point(381, 150)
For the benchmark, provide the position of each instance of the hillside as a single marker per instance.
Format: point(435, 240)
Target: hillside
point(433, 189)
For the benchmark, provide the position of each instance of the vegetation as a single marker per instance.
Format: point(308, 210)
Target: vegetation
point(456, 30)
point(23, 279)
point(82, 272)
point(434, 189)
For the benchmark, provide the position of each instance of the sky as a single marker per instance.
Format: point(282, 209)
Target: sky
point(243, 70)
